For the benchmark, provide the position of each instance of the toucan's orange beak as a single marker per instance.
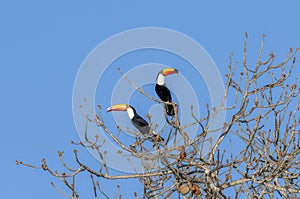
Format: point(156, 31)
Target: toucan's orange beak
point(117, 107)
point(169, 71)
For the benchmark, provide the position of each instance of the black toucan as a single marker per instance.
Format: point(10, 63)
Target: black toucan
point(162, 90)
point(141, 124)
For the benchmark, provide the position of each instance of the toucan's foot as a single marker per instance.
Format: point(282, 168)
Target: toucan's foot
point(132, 147)
point(159, 139)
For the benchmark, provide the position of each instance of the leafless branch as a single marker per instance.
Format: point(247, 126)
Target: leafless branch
point(256, 155)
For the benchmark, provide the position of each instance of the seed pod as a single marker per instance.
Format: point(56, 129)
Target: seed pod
point(190, 185)
point(183, 189)
point(182, 153)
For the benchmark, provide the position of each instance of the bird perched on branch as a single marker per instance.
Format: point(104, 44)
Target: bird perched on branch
point(162, 90)
point(141, 124)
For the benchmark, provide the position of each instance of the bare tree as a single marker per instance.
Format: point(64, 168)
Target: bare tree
point(263, 118)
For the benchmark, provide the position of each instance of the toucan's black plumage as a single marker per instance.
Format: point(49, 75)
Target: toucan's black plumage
point(165, 95)
point(141, 124)
point(162, 90)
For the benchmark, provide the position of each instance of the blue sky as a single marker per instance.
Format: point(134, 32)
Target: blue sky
point(43, 44)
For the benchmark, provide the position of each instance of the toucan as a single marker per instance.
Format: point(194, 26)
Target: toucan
point(162, 90)
point(137, 121)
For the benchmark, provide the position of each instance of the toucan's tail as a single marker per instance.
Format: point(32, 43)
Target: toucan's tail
point(170, 109)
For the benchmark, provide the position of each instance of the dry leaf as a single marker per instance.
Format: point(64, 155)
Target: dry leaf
point(197, 190)
point(293, 86)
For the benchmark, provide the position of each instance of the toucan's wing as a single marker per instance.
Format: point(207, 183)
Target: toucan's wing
point(144, 128)
point(138, 120)
point(141, 124)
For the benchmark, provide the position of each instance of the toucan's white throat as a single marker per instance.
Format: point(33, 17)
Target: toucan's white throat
point(160, 79)
point(130, 112)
